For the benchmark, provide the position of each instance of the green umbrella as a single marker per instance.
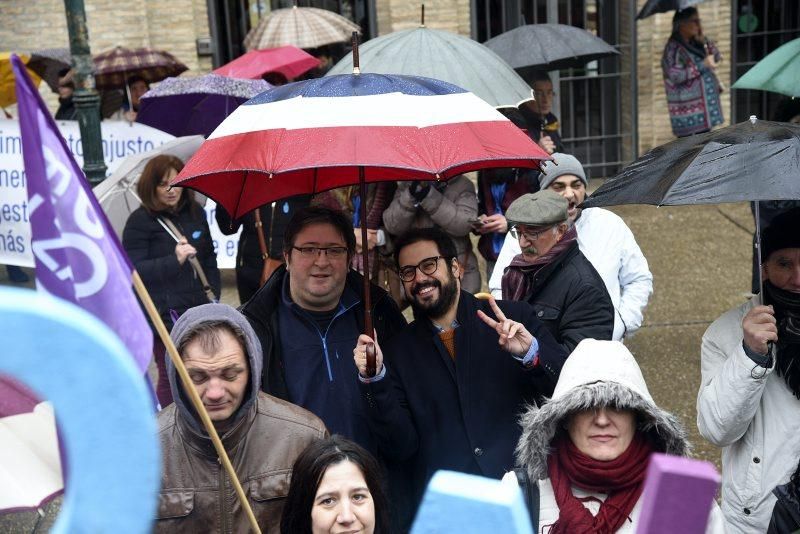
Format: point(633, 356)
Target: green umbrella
point(779, 72)
point(444, 56)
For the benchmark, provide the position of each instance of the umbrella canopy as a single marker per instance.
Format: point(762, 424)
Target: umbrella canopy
point(30, 466)
point(549, 47)
point(8, 93)
point(445, 56)
point(779, 72)
point(750, 161)
point(319, 134)
point(195, 106)
point(303, 27)
point(287, 60)
point(117, 193)
point(48, 62)
point(662, 6)
point(113, 67)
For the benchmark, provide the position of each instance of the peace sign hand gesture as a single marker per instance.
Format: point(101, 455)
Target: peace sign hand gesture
point(513, 336)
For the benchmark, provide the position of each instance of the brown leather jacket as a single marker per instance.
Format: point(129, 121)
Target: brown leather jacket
point(265, 437)
point(196, 493)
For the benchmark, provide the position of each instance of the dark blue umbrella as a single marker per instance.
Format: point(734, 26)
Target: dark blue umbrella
point(195, 106)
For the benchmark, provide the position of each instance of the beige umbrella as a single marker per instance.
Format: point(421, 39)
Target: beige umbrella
point(303, 27)
point(117, 193)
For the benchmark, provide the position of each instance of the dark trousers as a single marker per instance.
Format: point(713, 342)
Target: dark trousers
point(163, 391)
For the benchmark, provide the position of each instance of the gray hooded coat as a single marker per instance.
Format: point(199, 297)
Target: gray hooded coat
point(263, 438)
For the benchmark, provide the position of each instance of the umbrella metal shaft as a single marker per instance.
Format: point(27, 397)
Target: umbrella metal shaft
point(368, 330)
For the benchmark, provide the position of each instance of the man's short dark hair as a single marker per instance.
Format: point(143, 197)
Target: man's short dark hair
point(447, 249)
point(540, 76)
point(319, 215)
point(207, 334)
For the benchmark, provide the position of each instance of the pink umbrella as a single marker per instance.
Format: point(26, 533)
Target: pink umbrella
point(287, 60)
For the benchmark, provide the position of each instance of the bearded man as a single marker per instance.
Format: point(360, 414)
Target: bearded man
point(749, 399)
point(454, 382)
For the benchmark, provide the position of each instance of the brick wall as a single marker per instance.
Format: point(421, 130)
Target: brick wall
point(171, 25)
point(652, 35)
point(451, 15)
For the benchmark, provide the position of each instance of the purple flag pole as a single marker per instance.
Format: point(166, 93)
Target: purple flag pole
point(78, 256)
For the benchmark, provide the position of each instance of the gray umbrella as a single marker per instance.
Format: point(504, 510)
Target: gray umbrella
point(549, 47)
point(444, 56)
point(48, 62)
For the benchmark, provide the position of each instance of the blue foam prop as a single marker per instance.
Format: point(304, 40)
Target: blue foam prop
point(467, 504)
point(105, 416)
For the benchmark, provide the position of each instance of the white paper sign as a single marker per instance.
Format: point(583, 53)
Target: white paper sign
point(120, 140)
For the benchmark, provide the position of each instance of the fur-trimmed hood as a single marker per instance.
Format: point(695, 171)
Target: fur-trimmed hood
point(597, 373)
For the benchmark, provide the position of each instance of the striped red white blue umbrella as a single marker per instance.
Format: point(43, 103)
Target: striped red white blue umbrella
point(315, 135)
point(319, 134)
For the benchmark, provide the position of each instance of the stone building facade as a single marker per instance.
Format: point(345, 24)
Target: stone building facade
point(171, 25)
point(176, 25)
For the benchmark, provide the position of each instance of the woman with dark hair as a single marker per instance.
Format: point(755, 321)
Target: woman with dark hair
point(336, 487)
point(161, 239)
point(689, 66)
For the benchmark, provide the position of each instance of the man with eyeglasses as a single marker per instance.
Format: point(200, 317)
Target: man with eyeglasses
point(457, 378)
point(552, 274)
point(308, 317)
point(605, 240)
point(542, 123)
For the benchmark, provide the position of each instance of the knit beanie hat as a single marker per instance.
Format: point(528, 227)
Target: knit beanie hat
point(562, 164)
point(782, 232)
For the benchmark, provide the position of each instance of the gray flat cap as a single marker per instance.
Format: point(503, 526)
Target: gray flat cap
point(543, 208)
point(562, 164)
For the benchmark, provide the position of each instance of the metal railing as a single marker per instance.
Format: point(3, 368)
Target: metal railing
point(597, 105)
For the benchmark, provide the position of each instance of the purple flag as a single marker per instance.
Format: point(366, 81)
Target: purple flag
point(78, 256)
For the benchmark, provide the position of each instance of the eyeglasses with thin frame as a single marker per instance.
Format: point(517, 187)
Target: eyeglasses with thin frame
point(427, 266)
point(516, 233)
point(330, 252)
point(542, 94)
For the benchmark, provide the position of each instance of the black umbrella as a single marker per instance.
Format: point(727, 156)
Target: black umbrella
point(549, 47)
point(750, 161)
point(662, 6)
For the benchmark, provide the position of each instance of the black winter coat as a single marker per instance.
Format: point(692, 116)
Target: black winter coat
point(262, 313)
point(430, 412)
point(572, 300)
point(786, 514)
point(151, 249)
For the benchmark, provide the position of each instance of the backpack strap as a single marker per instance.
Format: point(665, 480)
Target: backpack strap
point(530, 492)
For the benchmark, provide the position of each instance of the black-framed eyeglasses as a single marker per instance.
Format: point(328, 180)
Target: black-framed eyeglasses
point(516, 233)
point(331, 252)
point(427, 266)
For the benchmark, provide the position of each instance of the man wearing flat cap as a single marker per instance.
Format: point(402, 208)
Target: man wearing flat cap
point(749, 398)
point(605, 240)
point(553, 275)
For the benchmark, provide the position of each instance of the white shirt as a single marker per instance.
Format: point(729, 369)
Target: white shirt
point(609, 245)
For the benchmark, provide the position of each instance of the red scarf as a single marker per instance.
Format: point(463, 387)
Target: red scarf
point(517, 281)
point(622, 479)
